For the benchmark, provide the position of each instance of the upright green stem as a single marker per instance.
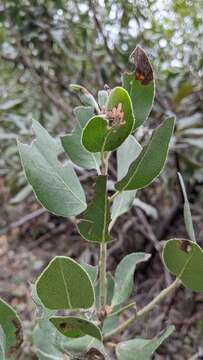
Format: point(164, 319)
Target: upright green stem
point(104, 162)
point(144, 311)
point(103, 247)
point(102, 278)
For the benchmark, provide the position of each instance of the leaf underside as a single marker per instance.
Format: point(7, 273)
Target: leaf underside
point(48, 342)
point(72, 142)
point(124, 276)
point(56, 186)
point(141, 349)
point(126, 154)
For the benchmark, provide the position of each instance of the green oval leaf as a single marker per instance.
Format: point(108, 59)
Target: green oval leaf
point(141, 349)
point(95, 221)
point(42, 311)
point(56, 186)
point(72, 142)
point(64, 284)
point(142, 97)
point(151, 160)
point(184, 259)
point(124, 276)
point(75, 327)
point(107, 131)
point(11, 329)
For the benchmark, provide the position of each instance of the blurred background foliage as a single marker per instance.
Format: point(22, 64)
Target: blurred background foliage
point(46, 45)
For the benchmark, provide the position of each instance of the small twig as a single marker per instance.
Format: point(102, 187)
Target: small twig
point(191, 320)
point(124, 308)
point(29, 217)
point(145, 310)
point(111, 198)
point(112, 223)
point(150, 232)
point(100, 29)
point(56, 100)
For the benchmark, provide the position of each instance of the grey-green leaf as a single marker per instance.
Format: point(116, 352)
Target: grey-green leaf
point(72, 142)
point(55, 185)
point(151, 160)
point(74, 327)
point(141, 349)
point(102, 98)
point(94, 224)
point(2, 344)
point(11, 329)
point(84, 346)
point(64, 284)
point(187, 211)
point(85, 96)
point(124, 276)
point(126, 154)
point(48, 342)
point(149, 210)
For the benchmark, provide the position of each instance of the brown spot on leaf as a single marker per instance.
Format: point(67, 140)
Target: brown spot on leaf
point(94, 354)
point(143, 68)
point(184, 246)
point(68, 327)
point(19, 337)
point(62, 326)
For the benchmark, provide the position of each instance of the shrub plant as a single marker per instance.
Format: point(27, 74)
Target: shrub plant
point(79, 305)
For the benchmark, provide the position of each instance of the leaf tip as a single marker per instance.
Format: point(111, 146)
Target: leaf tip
point(143, 68)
